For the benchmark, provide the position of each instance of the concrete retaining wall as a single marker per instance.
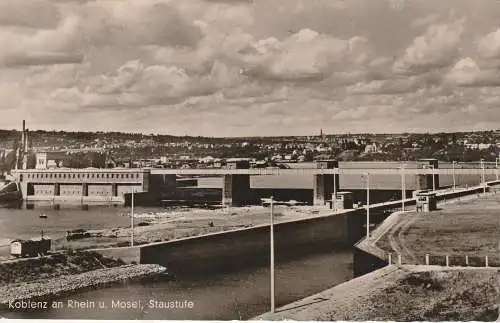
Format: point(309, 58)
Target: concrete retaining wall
point(127, 254)
point(365, 262)
point(228, 251)
point(457, 194)
point(232, 250)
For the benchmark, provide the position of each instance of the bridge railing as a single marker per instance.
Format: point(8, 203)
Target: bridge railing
point(319, 171)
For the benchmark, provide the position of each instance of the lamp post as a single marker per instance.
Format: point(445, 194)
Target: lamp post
point(367, 204)
point(403, 187)
point(272, 255)
point(483, 177)
point(453, 174)
point(496, 167)
point(132, 219)
point(334, 200)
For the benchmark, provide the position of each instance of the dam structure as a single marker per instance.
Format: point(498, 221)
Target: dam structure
point(154, 184)
point(85, 185)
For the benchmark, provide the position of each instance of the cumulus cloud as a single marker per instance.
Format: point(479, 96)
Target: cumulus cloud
point(45, 46)
point(306, 55)
point(219, 67)
point(108, 23)
point(396, 85)
point(424, 21)
point(489, 45)
point(138, 85)
point(32, 13)
point(466, 72)
point(438, 47)
point(42, 59)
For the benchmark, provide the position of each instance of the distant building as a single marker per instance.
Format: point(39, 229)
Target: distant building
point(478, 146)
point(164, 159)
point(206, 160)
point(371, 149)
point(48, 160)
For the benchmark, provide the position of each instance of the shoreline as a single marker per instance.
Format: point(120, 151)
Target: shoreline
point(460, 293)
point(49, 289)
point(68, 284)
point(430, 292)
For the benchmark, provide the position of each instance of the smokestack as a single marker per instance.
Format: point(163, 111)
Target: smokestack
point(24, 125)
point(26, 142)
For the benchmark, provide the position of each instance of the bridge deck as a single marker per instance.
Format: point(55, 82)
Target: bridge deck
point(309, 171)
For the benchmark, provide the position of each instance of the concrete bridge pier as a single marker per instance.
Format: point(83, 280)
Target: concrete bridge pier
point(163, 183)
point(324, 183)
point(236, 188)
point(428, 181)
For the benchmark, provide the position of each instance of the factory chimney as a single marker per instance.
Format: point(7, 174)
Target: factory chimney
point(22, 149)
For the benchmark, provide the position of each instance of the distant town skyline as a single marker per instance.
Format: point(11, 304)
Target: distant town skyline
point(237, 68)
point(321, 133)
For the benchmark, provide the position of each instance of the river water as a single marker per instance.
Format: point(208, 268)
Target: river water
point(232, 296)
point(239, 295)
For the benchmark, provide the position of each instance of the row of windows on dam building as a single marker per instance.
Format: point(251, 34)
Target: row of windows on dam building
point(78, 190)
point(81, 176)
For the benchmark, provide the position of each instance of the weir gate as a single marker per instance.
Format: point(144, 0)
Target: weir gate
point(115, 184)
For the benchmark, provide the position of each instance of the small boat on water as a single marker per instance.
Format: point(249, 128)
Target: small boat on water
point(43, 216)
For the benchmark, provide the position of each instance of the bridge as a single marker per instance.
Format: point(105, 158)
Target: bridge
point(275, 171)
point(91, 184)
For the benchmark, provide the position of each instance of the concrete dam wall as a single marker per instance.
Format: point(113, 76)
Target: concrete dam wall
point(233, 250)
point(214, 195)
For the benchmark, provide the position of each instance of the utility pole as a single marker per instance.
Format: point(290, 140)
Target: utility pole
point(403, 187)
point(496, 167)
point(453, 173)
point(367, 205)
point(433, 178)
point(334, 202)
point(272, 256)
point(132, 220)
point(483, 177)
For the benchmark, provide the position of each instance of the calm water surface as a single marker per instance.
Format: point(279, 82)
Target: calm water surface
point(233, 296)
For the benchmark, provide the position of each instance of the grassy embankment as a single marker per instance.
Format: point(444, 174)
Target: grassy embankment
point(457, 230)
point(408, 293)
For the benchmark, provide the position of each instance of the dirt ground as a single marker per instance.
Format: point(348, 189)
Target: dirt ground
point(155, 227)
point(465, 228)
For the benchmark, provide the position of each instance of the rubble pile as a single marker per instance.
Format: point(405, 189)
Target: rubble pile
point(43, 290)
point(26, 270)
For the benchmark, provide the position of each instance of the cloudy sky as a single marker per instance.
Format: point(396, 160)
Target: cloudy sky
point(243, 67)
